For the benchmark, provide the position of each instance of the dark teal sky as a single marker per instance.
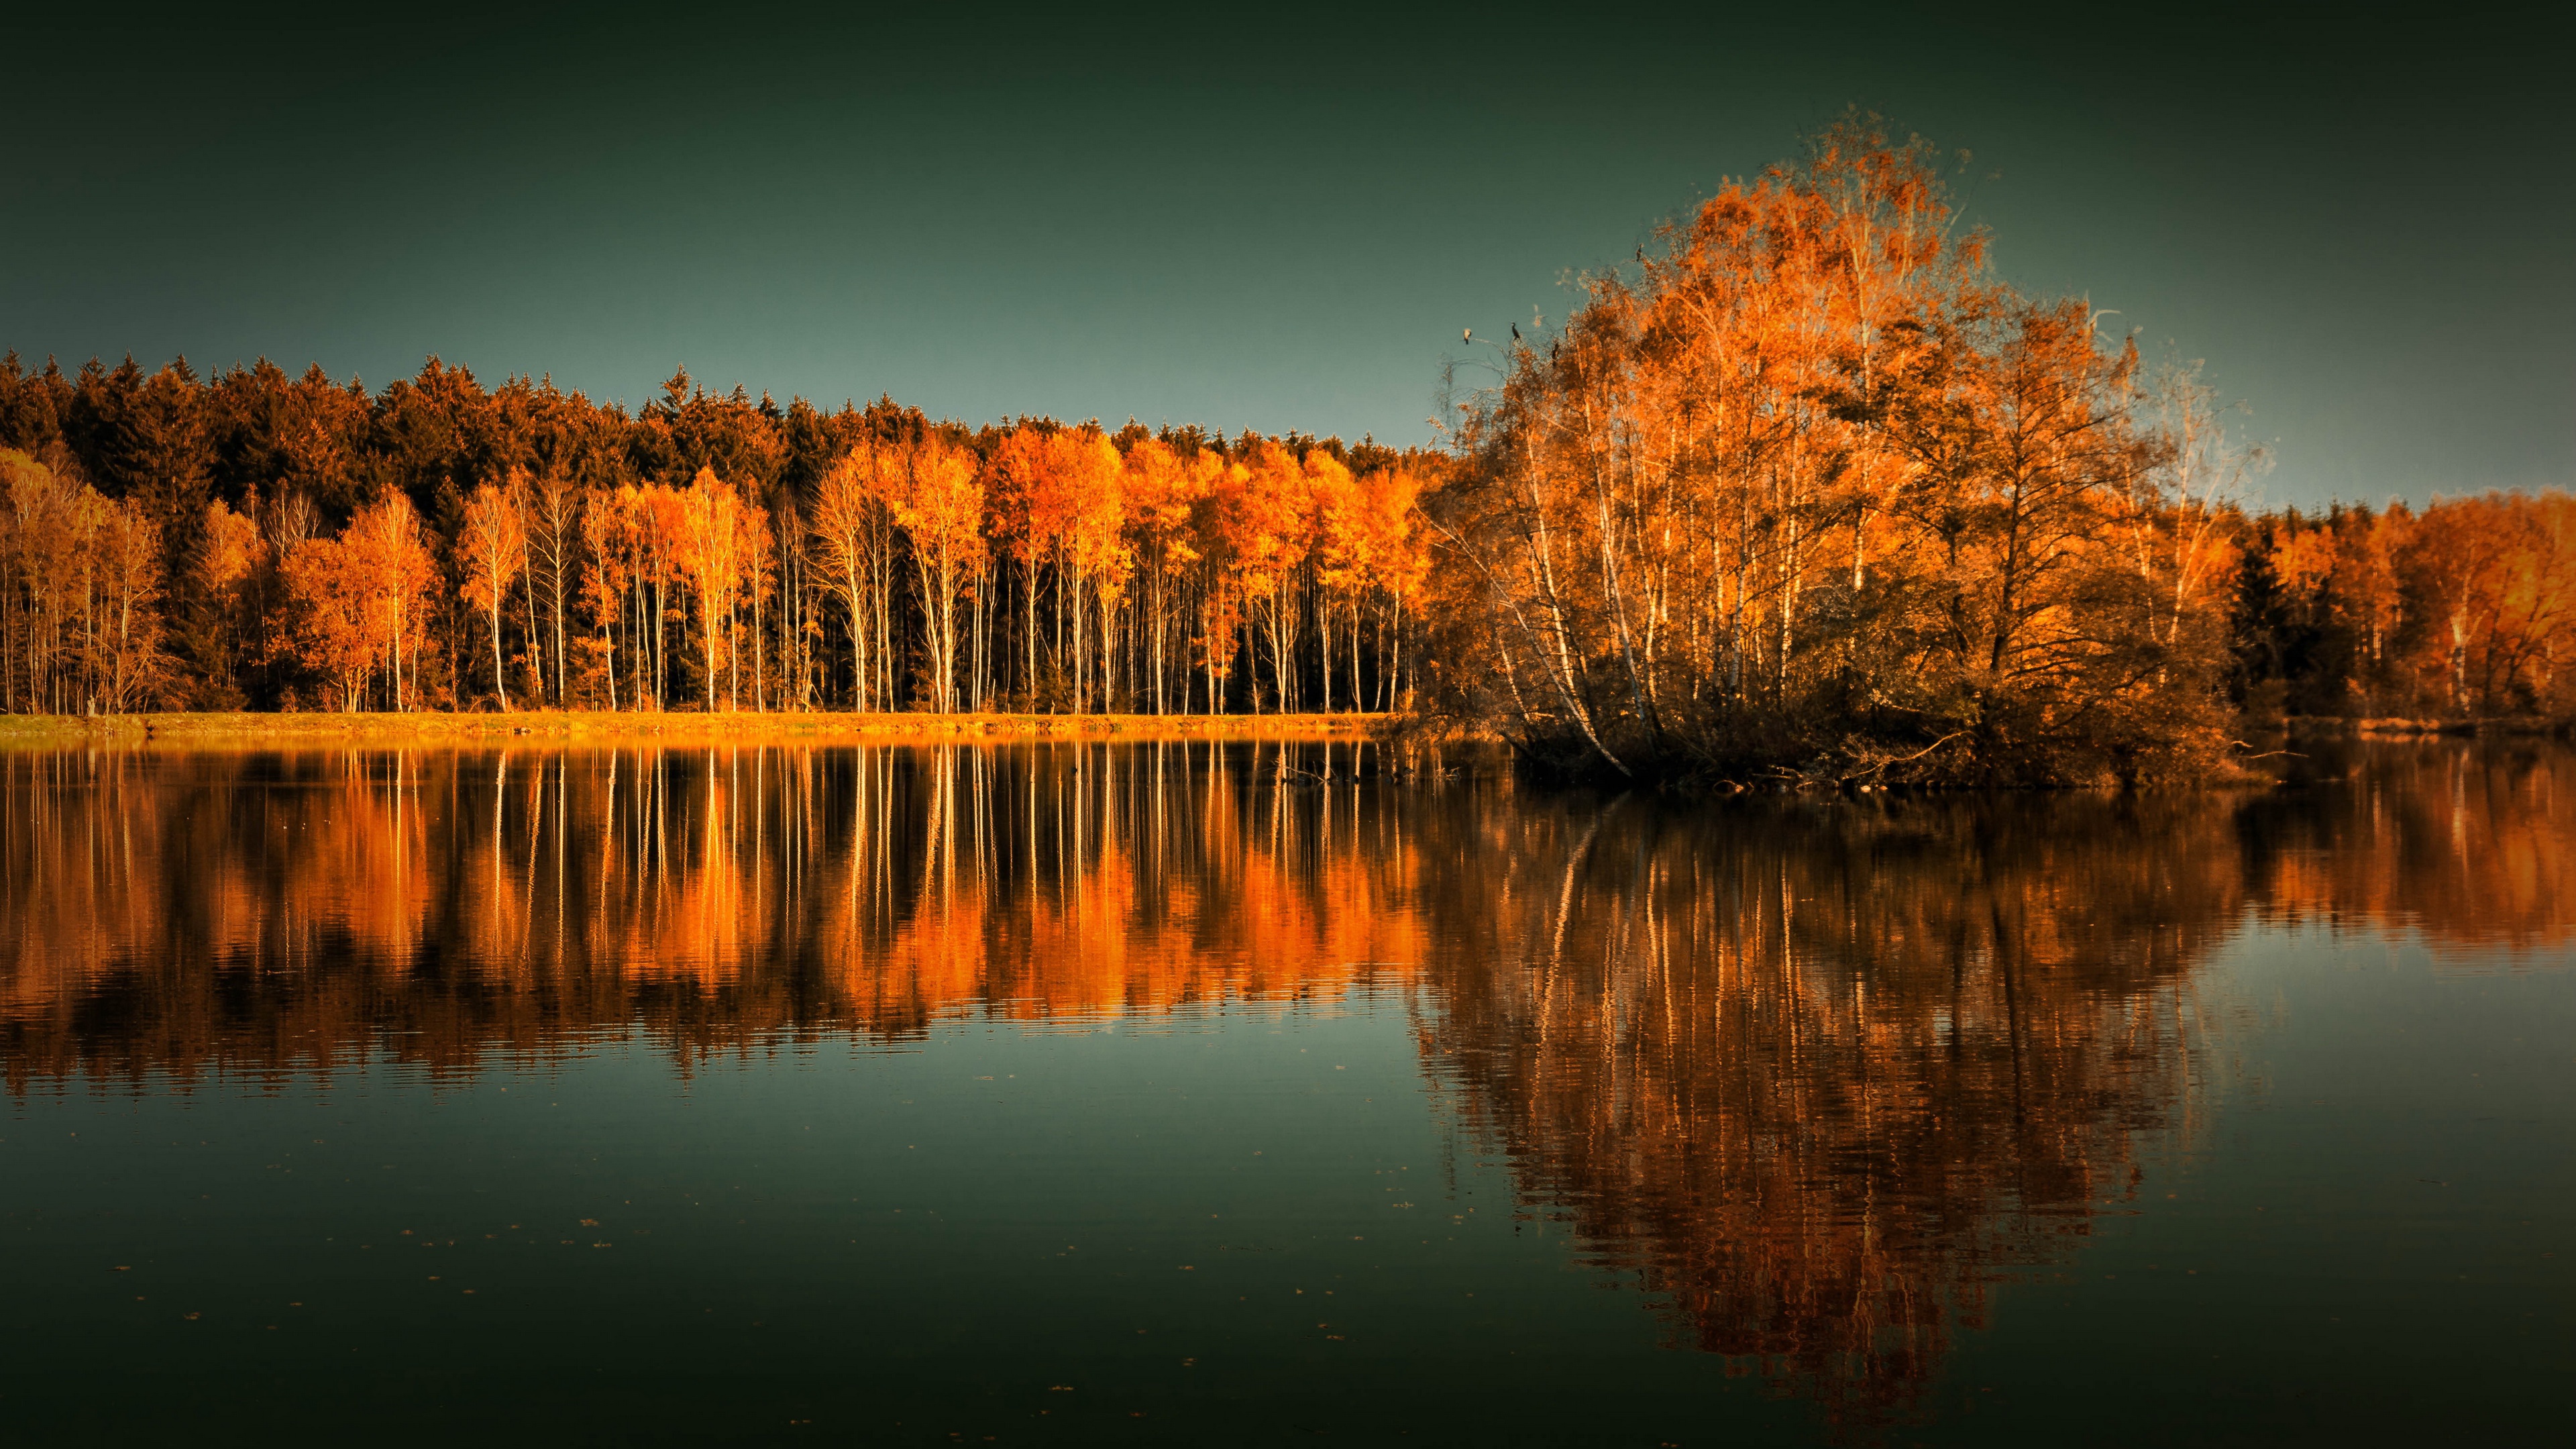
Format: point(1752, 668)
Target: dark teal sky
point(1276, 219)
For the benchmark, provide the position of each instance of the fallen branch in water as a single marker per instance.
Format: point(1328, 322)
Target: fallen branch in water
point(1881, 766)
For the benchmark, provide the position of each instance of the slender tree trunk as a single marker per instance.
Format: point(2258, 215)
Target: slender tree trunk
point(498, 688)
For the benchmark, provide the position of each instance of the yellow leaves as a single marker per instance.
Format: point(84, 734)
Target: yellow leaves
point(21, 474)
point(1388, 553)
point(1262, 517)
point(1162, 486)
point(2302, 559)
point(716, 527)
point(233, 549)
point(493, 542)
point(850, 509)
point(2496, 577)
point(939, 503)
point(1063, 490)
point(360, 595)
point(329, 595)
point(717, 548)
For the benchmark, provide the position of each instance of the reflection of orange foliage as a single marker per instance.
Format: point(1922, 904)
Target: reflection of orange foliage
point(523, 896)
point(2469, 851)
point(1814, 1074)
point(1109, 890)
point(514, 899)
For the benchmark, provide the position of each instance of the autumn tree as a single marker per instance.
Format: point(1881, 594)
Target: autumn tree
point(716, 529)
point(852, 521)
point(1164, 489)
point(941, 510)
point(394, 573)
point(328, 593)
point(554, 537)
point(492, 547)
point(1097, 558)
point(1269, 526)
point(233, 558)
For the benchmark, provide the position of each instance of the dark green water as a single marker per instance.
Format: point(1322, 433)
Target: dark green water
point(1127, 1094)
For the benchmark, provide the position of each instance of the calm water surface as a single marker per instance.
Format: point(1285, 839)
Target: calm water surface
point(1066, 1094)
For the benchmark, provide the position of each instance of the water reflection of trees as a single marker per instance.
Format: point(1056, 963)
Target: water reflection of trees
point(1817, 1074)
point(1814, 1073)
point(259, 913)
point(2466, 848)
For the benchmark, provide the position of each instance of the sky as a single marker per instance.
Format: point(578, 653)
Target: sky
point(1282, 218)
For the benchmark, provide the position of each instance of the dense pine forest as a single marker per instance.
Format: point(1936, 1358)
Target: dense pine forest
point(1804, 488)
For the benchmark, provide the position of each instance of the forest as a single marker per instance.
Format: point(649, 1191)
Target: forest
point(1804, 490)
point(265, 542)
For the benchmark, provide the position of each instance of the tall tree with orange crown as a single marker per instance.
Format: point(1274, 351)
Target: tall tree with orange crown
point(941, 512)
point(493, 547)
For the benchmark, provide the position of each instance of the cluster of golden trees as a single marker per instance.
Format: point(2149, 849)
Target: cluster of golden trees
point(1808, 488)
point(1807, 480)
point(80, 589)
point(2462, 610)
point(1050, 566)
point(299, 544)
point(1813, 1077)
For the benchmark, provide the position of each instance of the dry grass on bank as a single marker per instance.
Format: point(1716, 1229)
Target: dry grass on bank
point(723, 727)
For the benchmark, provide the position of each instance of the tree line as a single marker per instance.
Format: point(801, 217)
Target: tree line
point(264, 541)
point(1806, 489)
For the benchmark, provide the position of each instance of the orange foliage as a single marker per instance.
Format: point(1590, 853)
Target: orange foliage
point(363, 600)
point(2461, 610)
point(493, 547)
point(940, 508)
point(80, 585)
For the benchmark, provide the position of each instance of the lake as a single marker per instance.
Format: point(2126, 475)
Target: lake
point(1262, 1093)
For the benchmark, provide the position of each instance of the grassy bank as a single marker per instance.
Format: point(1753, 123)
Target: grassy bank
point(601, 726)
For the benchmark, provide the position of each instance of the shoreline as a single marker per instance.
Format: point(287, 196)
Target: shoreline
point(289, 731)
point(2401, 727)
